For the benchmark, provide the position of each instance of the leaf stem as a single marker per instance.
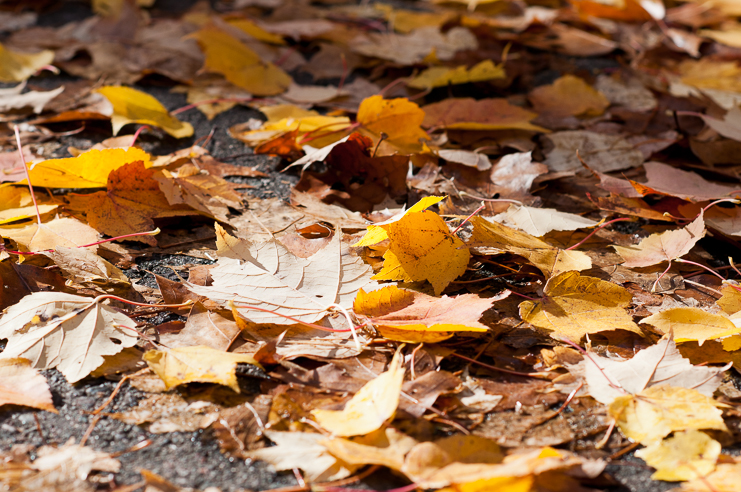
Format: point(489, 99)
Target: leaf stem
point(468, 218)
point(25, 169)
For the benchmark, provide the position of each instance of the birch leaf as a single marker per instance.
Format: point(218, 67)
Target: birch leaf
point(370, 408)
point(65, 331)
point(268, 276)
point(574, 306)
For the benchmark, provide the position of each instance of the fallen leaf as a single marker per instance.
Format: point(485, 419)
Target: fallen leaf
point(602, 152)
point(422, 248)
point(240, 65)
point(692, 324)
point(16, 66)
point(610, 378)
point(472, 159)
point(399, 118)
point(204, 328)
point(540, 221)
point(687, 455)
point(169, 412)
point(668, 180)
point(386, 447)
point(370, 408)
point(69, 332)
point(303, 450)
point(134, 106)
point(724, 479)
point(132, 200)
point(21, 384)
point(444, 76)
point(666, 246)
point(12, 99)
point(414, 317)
point(87, 170)
point(412, 48)
point(83, 266)
point(659, 410)
point(575, 305)
point(514, 174)
point(67, 467)
point(66, 232)
point(267, 276)
point(23, 279)
point(196, 364)
point(568, 96)
point(549, 259)
point(484, 114)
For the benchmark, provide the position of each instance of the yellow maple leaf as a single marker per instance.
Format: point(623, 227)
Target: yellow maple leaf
point(17, 67)
point(422, 248)
point(133, 106)
point(549, 259)
point(659, 410)
point(370, 408)
point(196, 364)
point(240, 65)
point(414, 317)
point(574, 306)
point(685, 456)
point(444, 76)
point(87, 170)
point(399, 118)
point(692, 324)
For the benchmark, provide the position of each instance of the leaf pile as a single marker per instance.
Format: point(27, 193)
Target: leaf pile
point(507, 257)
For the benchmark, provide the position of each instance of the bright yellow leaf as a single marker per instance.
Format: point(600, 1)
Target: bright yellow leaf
point(240, 65)
point(16, 204)
point(444, 76)
point(88, 170)
point(685, 456)
point(17, 67)
point(248, 26)
point(692, 324)
point(371, 407)
point(196, 364)
point(659, 410)
point(377, 232)
point(549, 259)
point(499, 484)
point(422, 247)
point(574, 306)
point(133, 106)
point(399, 118)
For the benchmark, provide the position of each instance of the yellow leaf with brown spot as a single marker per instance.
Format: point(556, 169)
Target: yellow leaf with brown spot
point(568, 96)
point(444, 76)
point(573, 306)
point(422, 248)
point(371, 407)
point(685, 456)
point(240, 65)
point(377, 232)
point(660, 410)
point(399, 118)
point(692, 324)
point(133, 106)
point(87, 170)
point(549, 259)
point(414, 317)
point(16, 66)
point(197, 364)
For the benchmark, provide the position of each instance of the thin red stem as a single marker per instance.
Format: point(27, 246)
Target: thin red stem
point(653, 287)
point(723, 200)
point(468, 218)
point(709, 270)
point(25, 169)
point(568, 400)
point(138, 131)
point(595, 232)
point(526, 297)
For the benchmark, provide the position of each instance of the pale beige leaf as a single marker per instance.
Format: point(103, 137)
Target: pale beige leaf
point(540, 221)
point(65, 331)
point(666, 246)
point(58, 232)
point(21, 384)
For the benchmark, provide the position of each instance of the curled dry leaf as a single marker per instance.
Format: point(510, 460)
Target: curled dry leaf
point(666, 246)
point(69, 332)
point(21, 384)
point(371, 407)
point(414, 317)
point(549, 259)
point(197, 364)
point(133, 106)
point(575, 305)
point(268, 276)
